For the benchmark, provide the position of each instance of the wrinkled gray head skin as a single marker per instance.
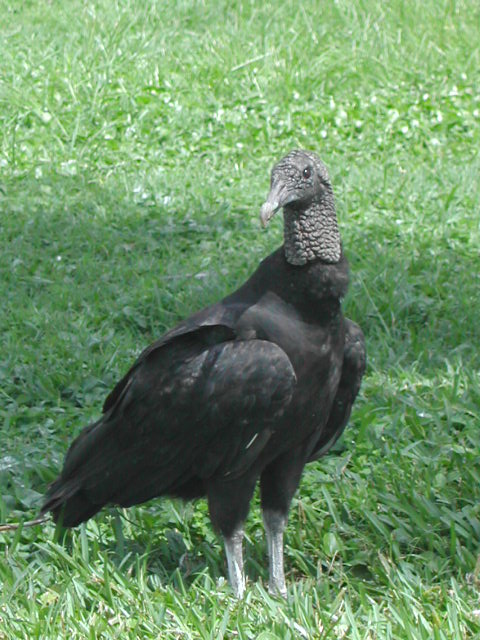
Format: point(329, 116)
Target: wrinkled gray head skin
point(300, 184)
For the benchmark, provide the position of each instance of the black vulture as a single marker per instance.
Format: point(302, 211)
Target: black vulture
point(251, 388)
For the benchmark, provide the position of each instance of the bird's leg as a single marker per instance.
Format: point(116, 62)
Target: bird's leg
point(234, 553)
point(275, 522)
point(228, 502)
point(277, 485)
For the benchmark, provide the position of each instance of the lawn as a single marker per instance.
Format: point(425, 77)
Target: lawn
point(136, 140)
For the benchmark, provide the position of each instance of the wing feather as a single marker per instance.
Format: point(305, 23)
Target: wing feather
point(199, 404)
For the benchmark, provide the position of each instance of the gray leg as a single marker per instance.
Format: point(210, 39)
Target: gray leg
point(275, 522)
point(234, 553)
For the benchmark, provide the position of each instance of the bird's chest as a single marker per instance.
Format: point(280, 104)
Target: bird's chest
point(318, 365)
point(313, 344)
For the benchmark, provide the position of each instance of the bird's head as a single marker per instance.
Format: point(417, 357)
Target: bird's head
point(297, 181)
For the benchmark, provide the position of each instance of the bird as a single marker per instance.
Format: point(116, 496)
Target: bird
point(248, 390)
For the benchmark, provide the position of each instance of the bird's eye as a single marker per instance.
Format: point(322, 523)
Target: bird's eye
point(307, 173)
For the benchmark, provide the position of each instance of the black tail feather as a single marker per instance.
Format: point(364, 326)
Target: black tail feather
point(68, 503)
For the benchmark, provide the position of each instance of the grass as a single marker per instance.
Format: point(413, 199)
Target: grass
point(135, 144)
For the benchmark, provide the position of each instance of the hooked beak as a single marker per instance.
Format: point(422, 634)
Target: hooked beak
point(276, 199)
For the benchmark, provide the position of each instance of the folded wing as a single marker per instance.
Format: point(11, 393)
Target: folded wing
point(200, 404)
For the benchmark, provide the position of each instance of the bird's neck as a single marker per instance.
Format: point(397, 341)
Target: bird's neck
point(312, 233)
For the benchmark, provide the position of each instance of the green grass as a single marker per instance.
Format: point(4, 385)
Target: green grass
point(136, 140)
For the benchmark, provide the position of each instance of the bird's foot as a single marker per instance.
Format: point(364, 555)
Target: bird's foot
point(277, 589)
